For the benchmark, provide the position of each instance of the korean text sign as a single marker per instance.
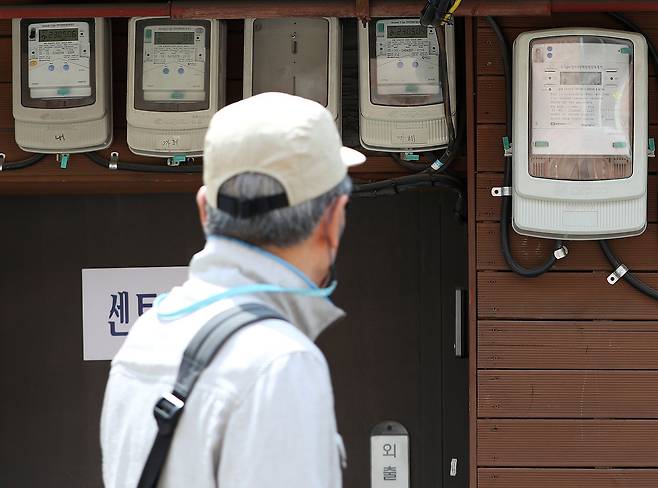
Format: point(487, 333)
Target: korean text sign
point(113, 298)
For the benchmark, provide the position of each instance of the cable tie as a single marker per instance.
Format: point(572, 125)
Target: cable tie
point(561, 253)
point(617, 274)
point(501, 191)
point(2, 160)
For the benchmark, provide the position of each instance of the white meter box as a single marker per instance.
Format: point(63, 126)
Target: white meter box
point(62, 85)
point(400, 95)
point(176, 73)
point(298, 56)
point(580, 133)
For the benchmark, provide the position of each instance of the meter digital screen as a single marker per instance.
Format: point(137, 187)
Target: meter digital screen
point(172, 65)
point(581, 108)
point(581, 78)
point(404, 63)
point(50, 35)
point(174, 38)
point(59, 60)
point(406, 31)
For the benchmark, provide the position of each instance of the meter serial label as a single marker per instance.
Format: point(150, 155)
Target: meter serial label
point(174, 63)
point(407, 59)
point(581, 101)
point(58, 59)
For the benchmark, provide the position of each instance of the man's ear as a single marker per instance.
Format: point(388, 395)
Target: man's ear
point(201, 203)
point(336, 220)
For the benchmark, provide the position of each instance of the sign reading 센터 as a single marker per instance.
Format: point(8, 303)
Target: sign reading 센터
point(113, 298)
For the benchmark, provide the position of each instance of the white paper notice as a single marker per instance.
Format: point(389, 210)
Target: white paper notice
point(113, 298)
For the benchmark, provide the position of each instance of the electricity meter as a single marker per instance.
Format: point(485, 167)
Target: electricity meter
point(299, 56)
point(176, 82)
point(400, 96)
point(62, 98)
point(580, 138)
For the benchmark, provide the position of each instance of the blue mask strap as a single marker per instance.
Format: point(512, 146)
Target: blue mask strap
point(241, 290)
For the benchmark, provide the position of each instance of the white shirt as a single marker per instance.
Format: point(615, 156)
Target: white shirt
point(260, 416)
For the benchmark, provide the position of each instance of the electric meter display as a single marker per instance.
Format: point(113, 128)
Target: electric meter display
point(299, 56)
point(174, 83)
point(580, 134)
point(400, 94)
point(59, 60)
point(581, 113)
point(175, 65)
point(404, 58)
point(62, 97)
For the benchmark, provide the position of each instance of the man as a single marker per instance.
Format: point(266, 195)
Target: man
point(261, 415)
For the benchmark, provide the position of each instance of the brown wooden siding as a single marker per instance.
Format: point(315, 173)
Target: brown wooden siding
point(566, 365)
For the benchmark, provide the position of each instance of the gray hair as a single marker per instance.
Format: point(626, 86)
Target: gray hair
point(281, 227)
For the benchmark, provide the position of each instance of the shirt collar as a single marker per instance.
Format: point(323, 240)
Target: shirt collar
point(228, 262)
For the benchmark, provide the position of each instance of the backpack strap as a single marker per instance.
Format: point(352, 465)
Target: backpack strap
point(197, 356)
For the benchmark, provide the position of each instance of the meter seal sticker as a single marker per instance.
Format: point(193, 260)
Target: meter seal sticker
point(407, 58)
point(389, 456)
point(581, 97)
point(174, 63)
point(58, 60)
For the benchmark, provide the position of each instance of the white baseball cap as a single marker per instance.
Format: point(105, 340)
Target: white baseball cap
point(291, 139)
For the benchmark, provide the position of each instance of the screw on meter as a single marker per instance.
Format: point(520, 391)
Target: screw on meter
point(400, 89)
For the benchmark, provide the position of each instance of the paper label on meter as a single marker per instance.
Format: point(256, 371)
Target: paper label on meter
point(58, 55)
point(581, 96)
point(407, 58)
point(174, 63)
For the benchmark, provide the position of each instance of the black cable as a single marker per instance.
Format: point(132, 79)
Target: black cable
point(506, 205)
point(24, 163)
point(614, 261)
point(147, 168)
point(445, 160)
point(628, 276)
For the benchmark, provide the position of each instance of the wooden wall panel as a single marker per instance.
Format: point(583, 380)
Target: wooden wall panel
point(568, 394)
point(567, 478)
point(568, 443)
point(567, 345)
point(567, 365)
point(563, 296)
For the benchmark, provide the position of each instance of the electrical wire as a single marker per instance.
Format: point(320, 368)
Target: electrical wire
point(143, 167)
point(630, 278)
point(614, 261)
point(506, 205)
point(24, 163)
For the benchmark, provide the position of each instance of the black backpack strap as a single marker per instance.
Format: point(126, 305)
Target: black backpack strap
point(197, 356)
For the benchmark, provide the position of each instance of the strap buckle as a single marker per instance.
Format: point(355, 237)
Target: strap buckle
point(167, 411)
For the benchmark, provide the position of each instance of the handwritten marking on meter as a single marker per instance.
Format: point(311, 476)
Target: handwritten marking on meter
point(174, 63)
point(389, 445)
point(58, 65)
point(581, 97)
point(407, 58)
